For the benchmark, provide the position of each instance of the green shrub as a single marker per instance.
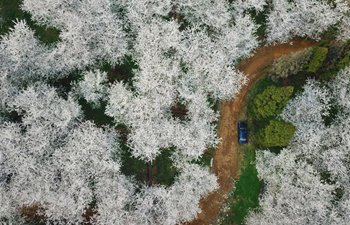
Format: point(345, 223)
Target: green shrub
point(319, 54)
point(331, 33)
point(328, 75)
point(276, 134)
point(271, 101)
point(245, 196)
point(344, 62)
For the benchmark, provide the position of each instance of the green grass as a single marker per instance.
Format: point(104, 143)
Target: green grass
point(245, 197)
point(166, 172)
point(10, 11)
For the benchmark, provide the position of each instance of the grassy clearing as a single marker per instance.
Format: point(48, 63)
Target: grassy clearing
point(245, 197)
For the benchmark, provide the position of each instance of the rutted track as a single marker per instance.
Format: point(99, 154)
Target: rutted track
point(227, 155)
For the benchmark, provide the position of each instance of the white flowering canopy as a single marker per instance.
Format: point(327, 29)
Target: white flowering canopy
point(303, 18)
point(303, 182)
point(186, 53)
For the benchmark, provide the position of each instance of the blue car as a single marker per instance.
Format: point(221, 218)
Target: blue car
point(242, 133)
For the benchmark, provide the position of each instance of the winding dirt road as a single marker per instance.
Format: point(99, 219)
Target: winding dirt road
point(227, 156)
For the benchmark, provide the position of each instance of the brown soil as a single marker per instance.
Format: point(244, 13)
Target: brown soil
point(227, 156)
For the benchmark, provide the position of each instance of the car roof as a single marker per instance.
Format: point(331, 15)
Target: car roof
point(243, 134)
point(242, 124)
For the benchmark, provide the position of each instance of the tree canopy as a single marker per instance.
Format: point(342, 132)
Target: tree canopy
point(271, 101)
point(308, 180)
point(54, 157)
point(276, 134)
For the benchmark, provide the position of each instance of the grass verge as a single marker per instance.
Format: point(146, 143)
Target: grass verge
point(245, 196)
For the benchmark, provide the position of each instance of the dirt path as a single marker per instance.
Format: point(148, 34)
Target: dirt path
point(227, 156)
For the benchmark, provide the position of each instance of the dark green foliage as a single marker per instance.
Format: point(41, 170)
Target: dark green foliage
point(298, 80)
point(328, 75)
point(245, 197)
point(257, 89)
point(332, 32)
point(160, 171)
point(10, 11)
point(271, 101)
point(12, 116)
point(276, 134)
point(184, 67)
point(206, 157)
point(345, 61)
point(122, 72)
point(47, 35)
point(260, 18)
point(338, 58)
point(334, 111)
point(35, 222)
point(260, 86)
point(255, 123)
point(166, 172)
point(96, 115)
point(64, 84)
point(319, 54)
point(132, 166)
point(214, 104)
